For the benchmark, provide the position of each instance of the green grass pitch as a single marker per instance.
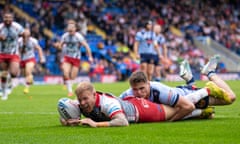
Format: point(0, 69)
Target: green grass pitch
point(33, 119)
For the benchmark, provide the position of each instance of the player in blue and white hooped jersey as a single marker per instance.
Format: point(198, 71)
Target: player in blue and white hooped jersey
point(9, 50)
point(146, 49)
point(70, 44)
point(182, 97)
point(27, 47)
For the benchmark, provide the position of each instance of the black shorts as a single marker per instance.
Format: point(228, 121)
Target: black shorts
point(149, 59)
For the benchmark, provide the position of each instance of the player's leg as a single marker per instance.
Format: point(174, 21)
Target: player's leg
point(207, 113)
point(150, 70)
point(74, 73)
point(158, 73)
point(66, 67)
point(14, 71)
point(143, 67)
point(169, 112)
point(4, 84)
point(28, 75)
point(185, 72)
point(2, 69)
point(210, 71)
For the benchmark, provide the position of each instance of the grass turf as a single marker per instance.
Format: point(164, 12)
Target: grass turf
point(33, 119)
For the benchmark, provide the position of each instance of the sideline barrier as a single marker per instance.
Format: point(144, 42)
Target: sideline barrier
point(55, 80)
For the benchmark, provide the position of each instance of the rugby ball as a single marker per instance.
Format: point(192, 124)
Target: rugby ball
point(69, 109)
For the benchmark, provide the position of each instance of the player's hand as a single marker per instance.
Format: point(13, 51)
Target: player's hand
point(160, 57)
point(42, 60)
point(88, 121)
point(57, 45)
point(73, 122)
point(69, 122)
point(137, 56)
point(63, 121)
point(90, 59)
point(2, 37)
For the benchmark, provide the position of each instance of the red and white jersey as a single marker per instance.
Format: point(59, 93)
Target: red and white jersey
point(27, 49)
point(10, 45)
point(107, 106)
point(71, 44)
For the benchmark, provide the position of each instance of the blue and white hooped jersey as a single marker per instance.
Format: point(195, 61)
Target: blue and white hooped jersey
point(161, 41)
point(71, 44)
point(162, 94)
point(146, 41)
point(10, 45)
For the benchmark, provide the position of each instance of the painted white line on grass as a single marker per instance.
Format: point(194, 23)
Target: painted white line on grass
point(40, 113)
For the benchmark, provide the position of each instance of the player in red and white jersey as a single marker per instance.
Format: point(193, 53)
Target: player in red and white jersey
point(27, 47)
point(70, 44)
point(104, 110)
point(9, 51)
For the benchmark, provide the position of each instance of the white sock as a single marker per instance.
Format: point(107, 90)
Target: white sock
point(4, 89)
point(69, 85)
point(197, 95)
point(195, 113)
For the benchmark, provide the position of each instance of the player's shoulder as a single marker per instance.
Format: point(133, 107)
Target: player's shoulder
point(155, 84)
point(79, 35)
point(20, 39)
point(15, 24)
point(1, 25)
point(104, 99)
point(126, 93)
point(65, 34)
point(33, 39)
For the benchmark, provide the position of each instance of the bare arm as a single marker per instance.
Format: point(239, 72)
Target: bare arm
point(184, 107)
point(156, 47)
point(85, 44)
point(117, 120)
point(135, 48)
point(165, 50)
point(40, 53)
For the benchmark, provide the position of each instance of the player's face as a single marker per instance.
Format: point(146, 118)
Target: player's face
point(157, 29)
point(141, 89)
point(149, 26)
point(87, 101)
point(8, 18)
point(71, 30)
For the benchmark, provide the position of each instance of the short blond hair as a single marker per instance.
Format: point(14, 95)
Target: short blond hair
point(84, 86)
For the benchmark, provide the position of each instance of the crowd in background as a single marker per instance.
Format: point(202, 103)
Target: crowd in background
point(121, 19)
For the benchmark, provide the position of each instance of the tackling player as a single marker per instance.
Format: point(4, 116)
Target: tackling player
point(27, 47)
point(70, 44)
point(180, 96)
point(9, 52)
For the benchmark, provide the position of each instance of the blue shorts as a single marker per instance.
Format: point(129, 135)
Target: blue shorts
point(149, 59)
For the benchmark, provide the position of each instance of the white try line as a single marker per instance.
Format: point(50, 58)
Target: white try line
point(29, 113)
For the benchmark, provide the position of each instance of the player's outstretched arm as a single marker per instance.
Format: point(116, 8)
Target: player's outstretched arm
point(117, 120)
